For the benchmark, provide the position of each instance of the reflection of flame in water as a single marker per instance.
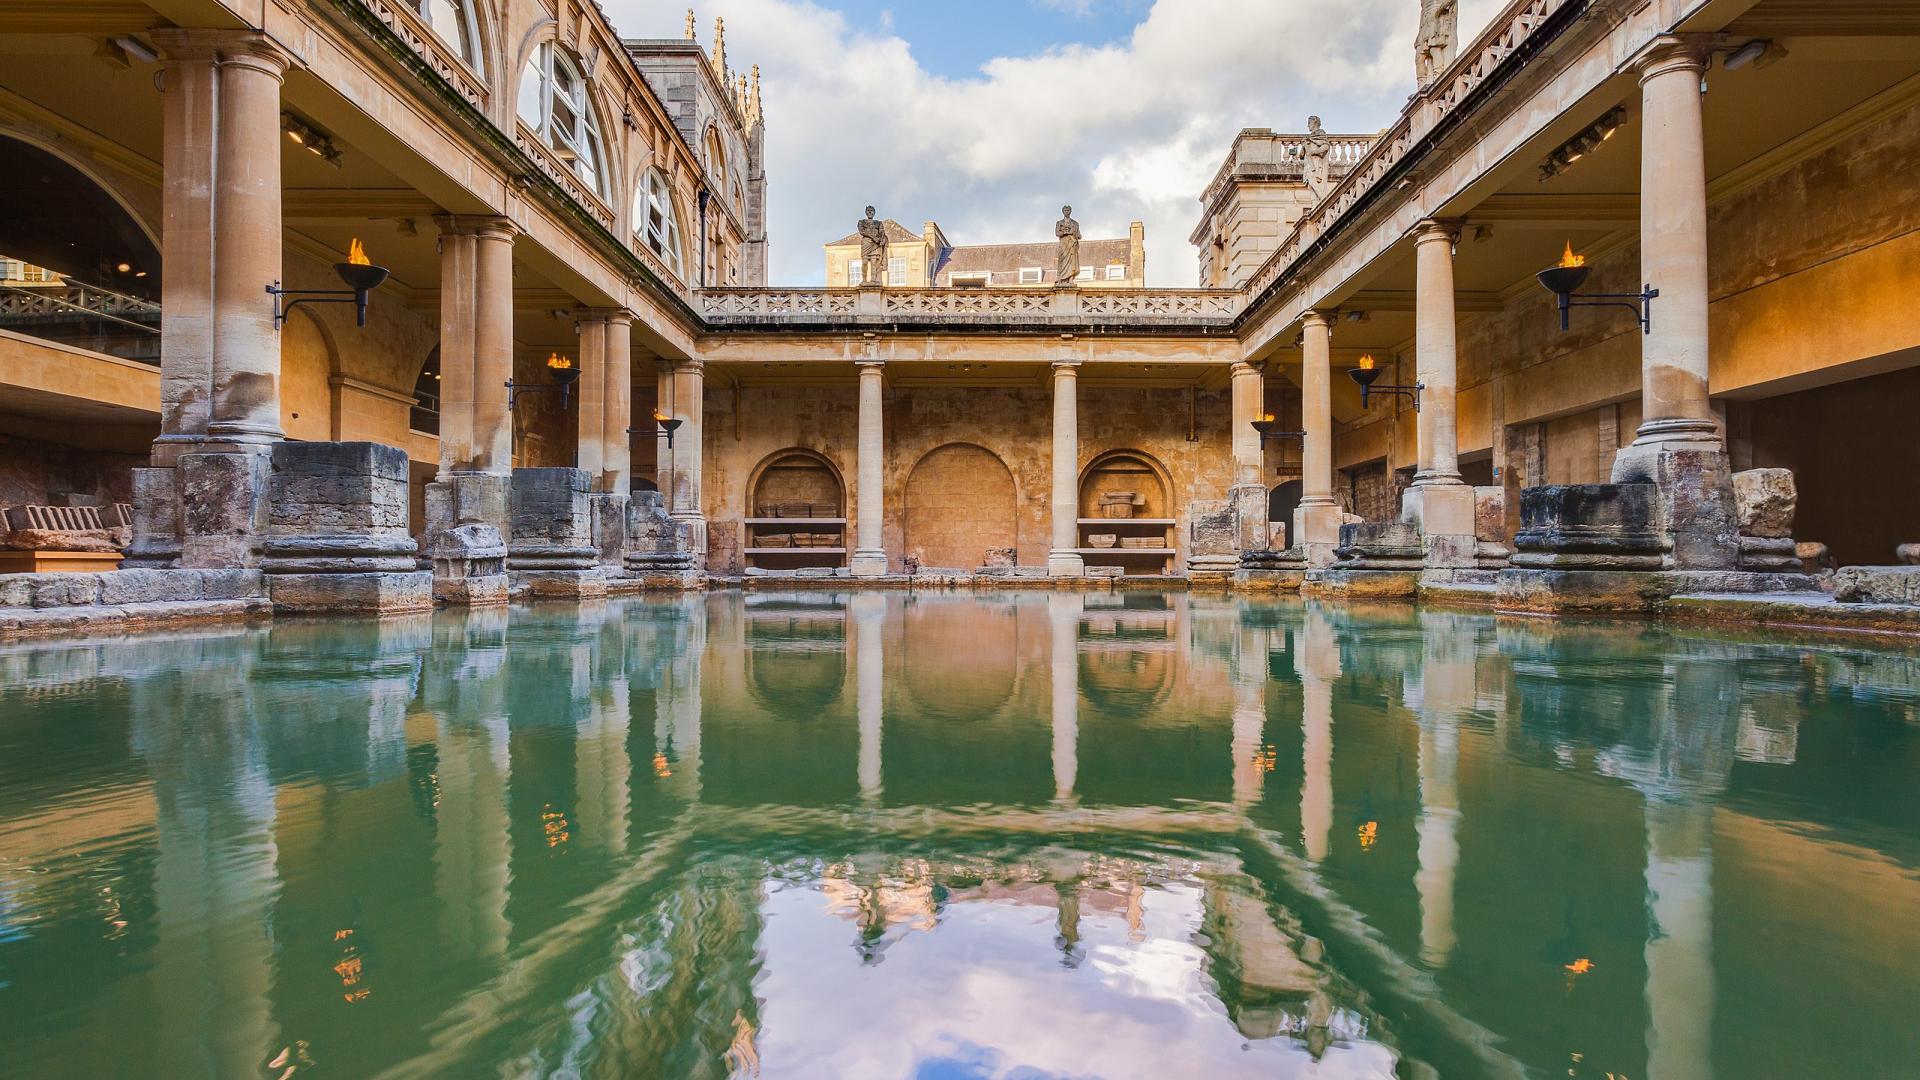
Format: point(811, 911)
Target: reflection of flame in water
point(1579, 967)
point(554, 822)
point(1369, 834)
point(357, 255)
point(1570, 259)
point(661, 767)
point(351, 968)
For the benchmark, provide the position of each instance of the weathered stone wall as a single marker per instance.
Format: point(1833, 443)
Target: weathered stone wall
point(1013, 425)
point(33, 471)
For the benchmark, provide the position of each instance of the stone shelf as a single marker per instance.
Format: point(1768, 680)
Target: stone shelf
point(838, 521)
point(1132, 553)
point(1158, 523)
point(796, 551)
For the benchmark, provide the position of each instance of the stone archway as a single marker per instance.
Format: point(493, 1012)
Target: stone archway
point(960, 502)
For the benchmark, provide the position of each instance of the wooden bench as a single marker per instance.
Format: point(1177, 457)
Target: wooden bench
point(68, 519)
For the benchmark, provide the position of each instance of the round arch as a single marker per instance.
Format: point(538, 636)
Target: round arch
point(62, 152)
point(961, 503)
point(1124, 469)
point(796, 474)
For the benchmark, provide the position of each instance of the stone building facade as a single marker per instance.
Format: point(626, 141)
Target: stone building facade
point(533, 183)
point(930, 260)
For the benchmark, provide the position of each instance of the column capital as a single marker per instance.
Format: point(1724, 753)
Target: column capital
point(688, 367)
point(484, 226)
point(1670, 53)
point(1435, 229)
point(603, 314)
point(1317, 317)
point(1066, 367)
point(870, 364)
point(179, 45)
point(1244, 368)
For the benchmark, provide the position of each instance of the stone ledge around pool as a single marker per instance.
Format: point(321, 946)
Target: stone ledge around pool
point(34, 604)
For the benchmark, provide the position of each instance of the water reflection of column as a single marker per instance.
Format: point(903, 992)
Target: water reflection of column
point(1063, 612)
point(1679, 952)
point(677, 721)
point(602, 766)
point(1249, 712)
point(869, 626)
point(1317, 661)
point(466, 688)
point(1446, 691)
point(216, 876)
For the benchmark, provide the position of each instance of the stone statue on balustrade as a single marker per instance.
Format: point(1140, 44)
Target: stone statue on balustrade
point(873, 250)
point(1317, 159)
point(1067, 232)
point(1433, 49)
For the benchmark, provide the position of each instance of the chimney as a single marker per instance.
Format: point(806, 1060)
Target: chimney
point(1137, 253)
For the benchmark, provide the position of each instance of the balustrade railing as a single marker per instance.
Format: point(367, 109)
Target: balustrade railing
point(764, 306)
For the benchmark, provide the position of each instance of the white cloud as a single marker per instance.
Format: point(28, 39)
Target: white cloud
point(1123, 132)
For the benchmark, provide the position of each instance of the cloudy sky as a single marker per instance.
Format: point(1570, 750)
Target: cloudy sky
point(987, 115)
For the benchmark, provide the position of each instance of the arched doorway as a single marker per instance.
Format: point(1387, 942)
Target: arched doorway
point(1281, 503)
point(796, 512)
point(961, 503)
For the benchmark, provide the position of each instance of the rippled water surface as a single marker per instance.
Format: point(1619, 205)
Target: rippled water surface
point(959, 836)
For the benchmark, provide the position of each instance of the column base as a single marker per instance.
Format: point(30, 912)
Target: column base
point(1066, 564)
point(155, 544)
point(1316, 528)
point(1444, 514)
point(560, 584)
point(868, 564)
point(607, 526)
point(362, 594)
point(223, 507)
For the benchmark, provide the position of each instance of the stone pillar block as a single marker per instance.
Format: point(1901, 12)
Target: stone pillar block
point(223, 508)
point(607, 515)
point(1213, 541)
point(156, 521)
point(1589, 527)
point(1490, 550)
point(1698, 511)
point(1252, 532)
point(1317, 529)
point(1376, 545)
point(465, 538)
point(336, 537)
point(1444, 516)
point(550, 548)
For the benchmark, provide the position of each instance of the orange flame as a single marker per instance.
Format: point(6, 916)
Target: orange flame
point(357, 255)
point(1266, 418)
point(558, 362)
point(660, 417)
point(1367, 362)
point(1570, 259)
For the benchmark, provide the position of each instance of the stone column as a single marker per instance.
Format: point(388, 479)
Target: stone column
point(1678, 445)
point(662, 453)
point(466, 509)
point(1316, 522)
point(246, 243)
point(1439, 502)
point(189, 104)
point(1316, 660)
point(870, 554)
point(1063, 617)
point(1064, 559)
point(1249, 492)
point(869, 612)
point(606, 412)
point(689, 404)
point(230, 348)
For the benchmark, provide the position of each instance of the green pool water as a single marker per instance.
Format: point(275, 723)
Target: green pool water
point(1021, 836)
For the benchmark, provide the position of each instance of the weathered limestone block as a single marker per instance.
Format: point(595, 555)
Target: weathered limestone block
point(1213, 548)
point(607, 516)
point(1814, 557)
point(1381, 545)
point(1699, 520)
point(336, 537)
point(1771, 554)
point(1001, 558)
point(1908, 554)
point(139, 586)
point(1589, 527)
point(1490, 551)
point(1250, 513)
point(1444, 516)
point(223, 507)
point(550, 544)
point(156, 520)
point(1766, 499)
point(469, 565)
point(656, 543)
point(1877, 585)
point(96, 540)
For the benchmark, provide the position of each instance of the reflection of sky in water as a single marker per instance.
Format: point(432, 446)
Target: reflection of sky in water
point(985, 994)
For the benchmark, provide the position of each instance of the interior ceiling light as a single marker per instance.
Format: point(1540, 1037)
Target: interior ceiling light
point(1584, 143)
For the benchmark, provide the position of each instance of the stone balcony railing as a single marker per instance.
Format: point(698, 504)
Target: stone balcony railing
point(1143, 310)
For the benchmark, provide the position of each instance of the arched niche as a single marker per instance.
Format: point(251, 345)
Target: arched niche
point(1122, 471)
point(960, 503)
point(796, 513)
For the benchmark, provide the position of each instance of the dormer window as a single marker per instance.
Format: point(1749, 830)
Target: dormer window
point(553, 102)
